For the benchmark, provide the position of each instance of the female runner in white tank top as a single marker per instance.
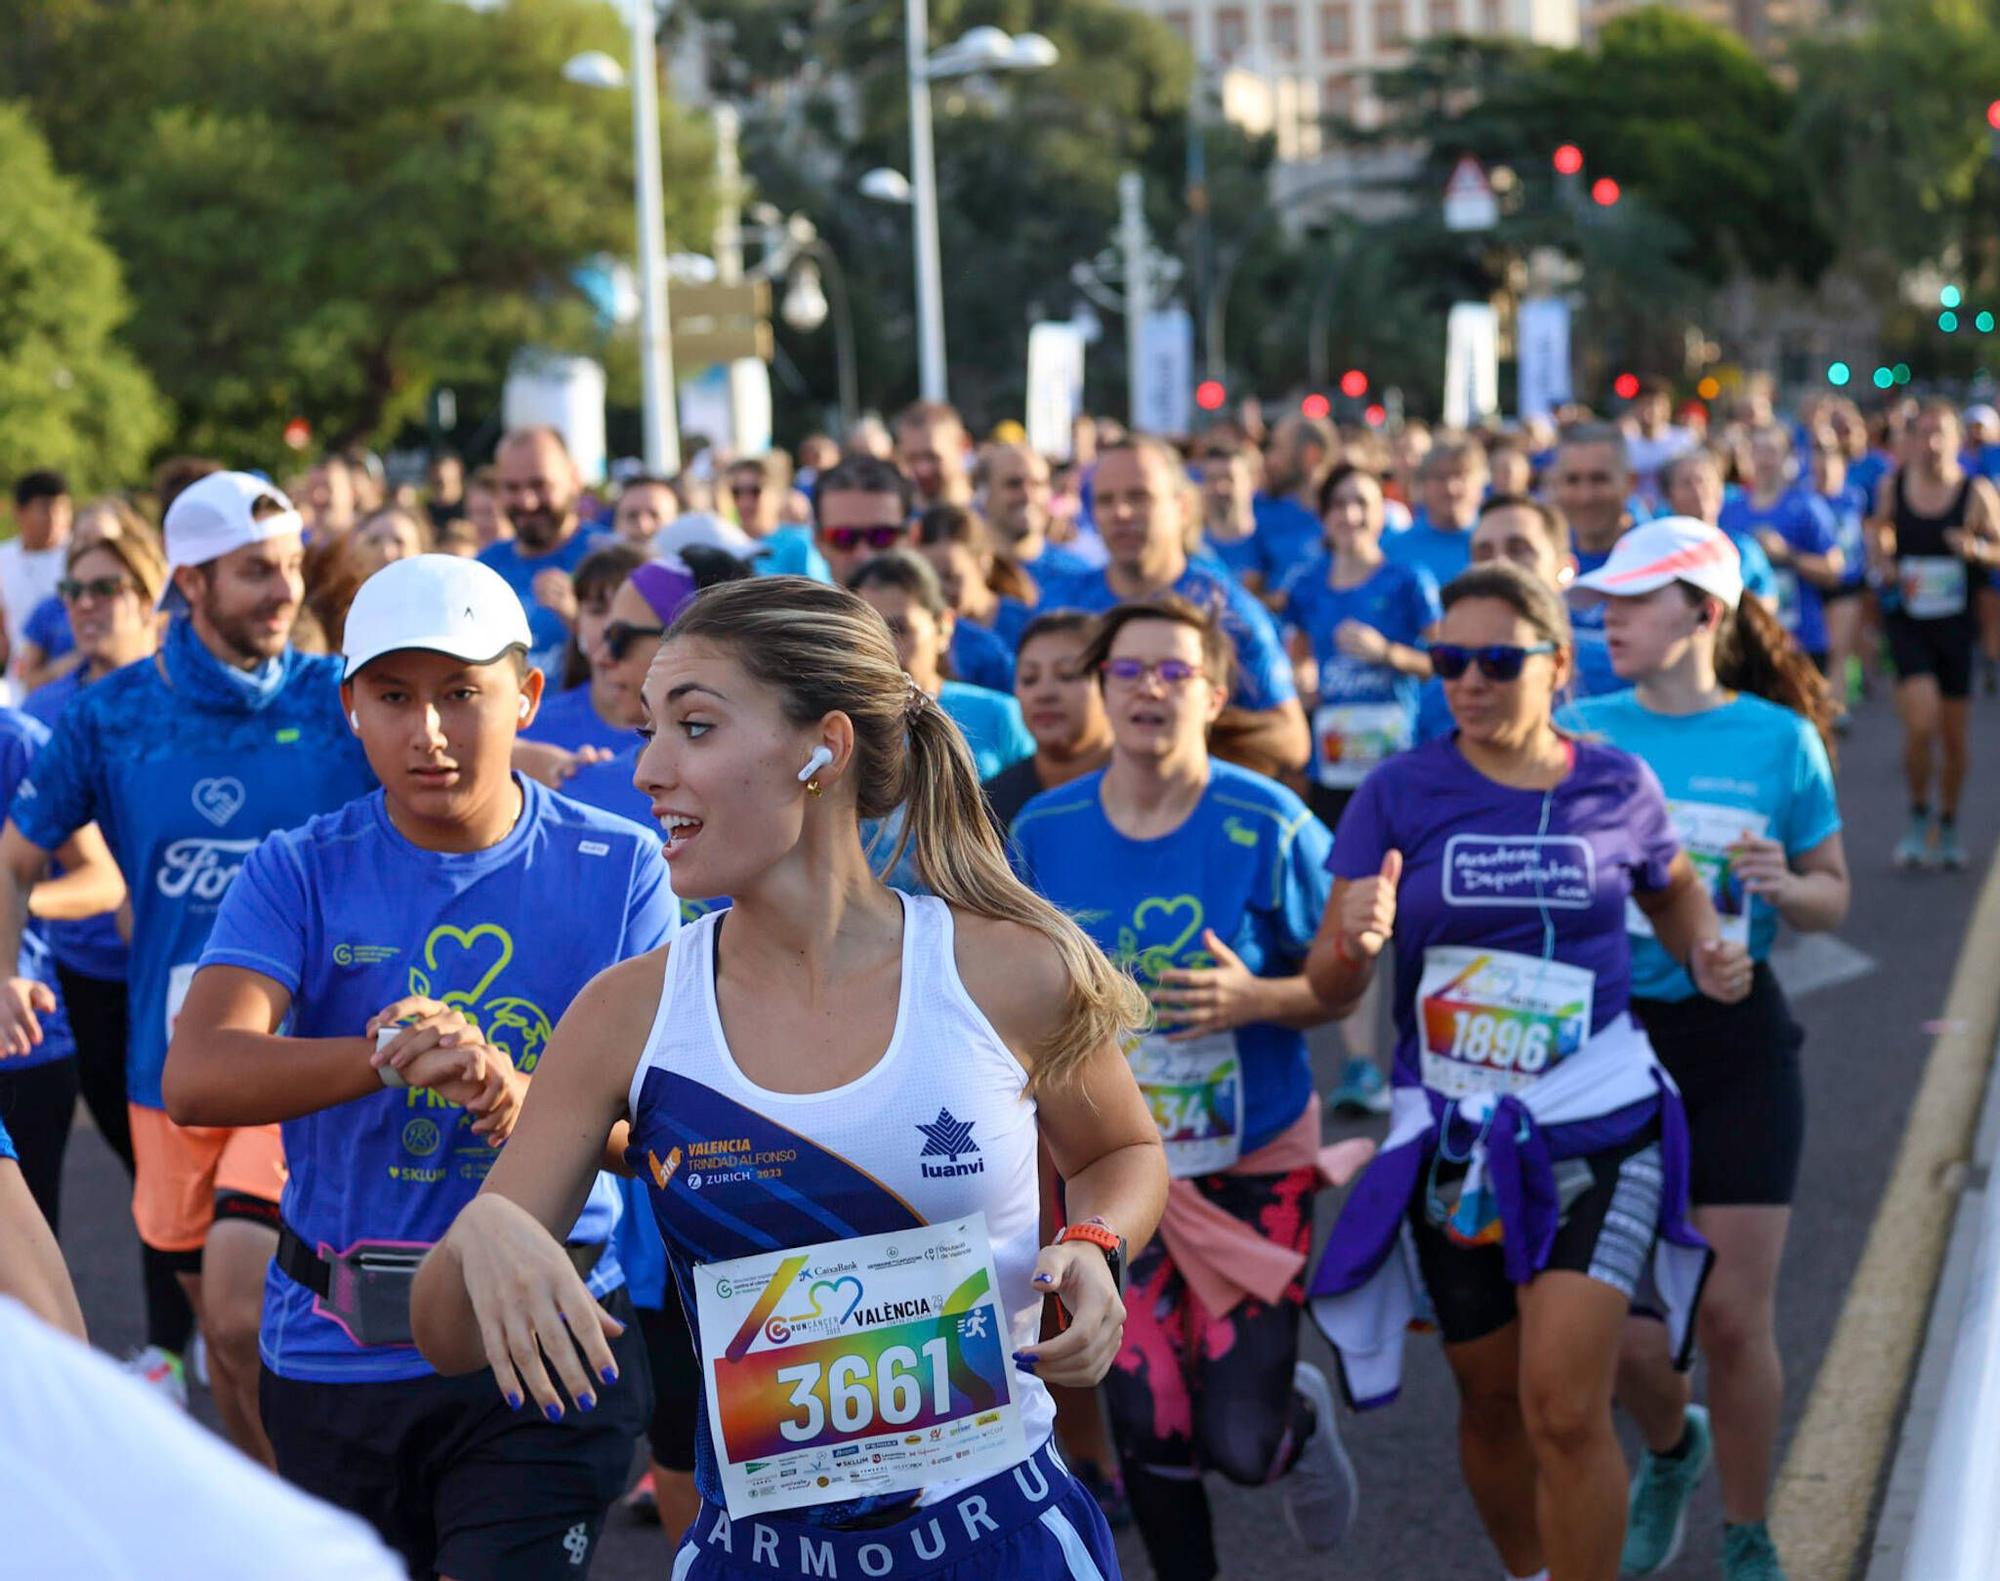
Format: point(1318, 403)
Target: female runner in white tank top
point(834, 1092)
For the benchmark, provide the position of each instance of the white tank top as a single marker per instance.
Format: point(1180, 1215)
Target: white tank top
point(937, 1129)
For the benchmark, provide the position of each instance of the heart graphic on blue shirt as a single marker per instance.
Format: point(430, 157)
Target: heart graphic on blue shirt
point(1154, 959)
point(456, 953)
point(219, 800)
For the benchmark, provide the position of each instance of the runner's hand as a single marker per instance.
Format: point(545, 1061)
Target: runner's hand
point(1760, 863)
point(531, 1304)
point(555, 766)
point(1368, 910)
point(1359, 640)
point(555, 592)
point(477, 1077)
point(1197, 1000)
point(1721, 971)
point(1077, 1275)
point(428, 1024)
point(1773, 542)
point(22, 1004)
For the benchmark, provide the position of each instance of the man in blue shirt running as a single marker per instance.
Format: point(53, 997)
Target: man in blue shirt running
point(384, 981)
point(539, 487)
point(185, 761)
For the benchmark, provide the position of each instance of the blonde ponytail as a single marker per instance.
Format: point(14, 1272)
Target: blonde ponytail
point(823, 650)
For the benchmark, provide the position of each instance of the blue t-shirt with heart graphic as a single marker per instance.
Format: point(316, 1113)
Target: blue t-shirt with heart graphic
point(185, 776)
point(348, 916)
point(1249, 862)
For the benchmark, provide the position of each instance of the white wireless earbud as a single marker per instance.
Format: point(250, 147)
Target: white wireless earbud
point(821, 756)
point(525, 706)
point(354, 720)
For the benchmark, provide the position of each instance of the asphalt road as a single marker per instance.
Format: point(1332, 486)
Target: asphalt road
point(1866, 1041)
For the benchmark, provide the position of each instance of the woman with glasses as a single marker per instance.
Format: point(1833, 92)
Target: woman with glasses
point(1205, 881)
point(1718, 682)
point(46, 650)
point(1534, 1178)
point(587, 712)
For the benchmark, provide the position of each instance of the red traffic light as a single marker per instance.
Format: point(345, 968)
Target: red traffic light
point(1604, 192)
point(298, 433)
point(1315, 405)
point(1993, 115)
point(1376, 415)
point(1568, 159)
point(1354, 384)
point(1626, 386)
point(1209, 395)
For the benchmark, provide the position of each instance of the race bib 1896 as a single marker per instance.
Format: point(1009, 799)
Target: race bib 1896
point(1195, 1090)
point(856, 1368)
point(1495, 1021)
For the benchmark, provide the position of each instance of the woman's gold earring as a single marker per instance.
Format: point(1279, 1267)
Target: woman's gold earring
point(812, 786)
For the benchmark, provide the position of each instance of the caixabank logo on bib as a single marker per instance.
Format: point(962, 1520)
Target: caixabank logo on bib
point(948, 1137)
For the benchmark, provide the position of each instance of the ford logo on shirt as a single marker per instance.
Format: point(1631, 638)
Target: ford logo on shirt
point(202, 868)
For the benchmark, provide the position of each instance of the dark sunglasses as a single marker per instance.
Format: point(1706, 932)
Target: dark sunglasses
point(70, 590)
point(620, 635)
point(1173, 673)
point(1500, 662)
point(741, 489)
point(848, 539)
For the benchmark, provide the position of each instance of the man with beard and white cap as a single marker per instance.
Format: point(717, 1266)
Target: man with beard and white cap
point(186, 761)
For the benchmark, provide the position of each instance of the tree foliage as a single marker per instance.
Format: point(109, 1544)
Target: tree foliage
point(326, 212)
point(71, 396)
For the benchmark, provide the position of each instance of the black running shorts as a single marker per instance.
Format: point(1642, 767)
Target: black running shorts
point(1940, 648)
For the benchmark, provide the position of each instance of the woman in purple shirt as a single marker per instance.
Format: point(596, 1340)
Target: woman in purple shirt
point(1534, 1177)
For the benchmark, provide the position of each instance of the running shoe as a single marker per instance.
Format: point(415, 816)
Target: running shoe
point(1109, 1491)
point(1748, 1554)
point(1660, 1494)
point(1950, 853)
point(642, 1503)
point(1321, 1494)
point(159, 1370)
point(1914, 849)
point(1362, 1089)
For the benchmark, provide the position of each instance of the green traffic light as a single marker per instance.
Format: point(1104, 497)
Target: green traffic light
point(1983, 323)
point(1902, 373)
point(1838, 373)
point(1884, 378)
point(1948, 322)
point(1950, 296)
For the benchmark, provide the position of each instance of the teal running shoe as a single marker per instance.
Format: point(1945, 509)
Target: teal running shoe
point(1748, 1554)
point(1914, 849)
point(1660, 1494)
point(1950, 854)
point(1362, 1089)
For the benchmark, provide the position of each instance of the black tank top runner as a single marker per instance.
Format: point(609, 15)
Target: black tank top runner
point(1917, 534)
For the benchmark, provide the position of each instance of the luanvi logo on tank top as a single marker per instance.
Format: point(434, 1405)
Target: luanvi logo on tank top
point(946, 1137)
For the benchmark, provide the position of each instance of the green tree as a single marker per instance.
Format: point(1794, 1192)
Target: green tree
point(71, 396)
point(327, 214)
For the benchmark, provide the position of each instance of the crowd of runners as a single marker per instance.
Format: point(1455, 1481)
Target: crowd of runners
point(775, 1000)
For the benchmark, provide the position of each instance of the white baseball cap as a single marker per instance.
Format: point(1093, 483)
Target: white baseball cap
point(704, 530)
point(211, 518)
point(1671, 549)
point(441, 603)
point(1982, 416)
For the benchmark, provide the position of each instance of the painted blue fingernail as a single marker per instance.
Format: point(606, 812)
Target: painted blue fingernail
point(609, 1375)
point(586, 1402)
point(514, 1400)
point(552, 1412)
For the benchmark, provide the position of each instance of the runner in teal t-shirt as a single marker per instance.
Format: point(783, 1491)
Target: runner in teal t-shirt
point(1750, 791)
point(385, 981)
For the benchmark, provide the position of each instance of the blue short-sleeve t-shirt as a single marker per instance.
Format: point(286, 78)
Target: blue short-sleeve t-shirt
point(519, 570)
point(1263, 672)
point(1748, 767)
point(1249, 863)
point(93, 946)
point(570, 721)
point(20, 739)
point(1287, 535)
point(348, 916)
point(1849, 505)
point(184, 784)
point(1807, 525)
point(1399, 601)
point(980, 657)
point(47, 627)
point(1490, 868)
point(1442, 553)
point(1054, 562)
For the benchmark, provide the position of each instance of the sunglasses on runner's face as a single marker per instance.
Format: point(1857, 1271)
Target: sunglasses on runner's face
point(1500, 662)
point(621, 634)
point(1173, 673)
point(70, 590)
point(848, 539)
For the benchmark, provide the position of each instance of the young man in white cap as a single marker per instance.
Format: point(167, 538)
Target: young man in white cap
point(383, 981)
point(186, 761)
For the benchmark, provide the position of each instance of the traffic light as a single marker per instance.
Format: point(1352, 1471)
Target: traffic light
point(1376, 415)
point(1948, 321)
point(1884, 378)
point(1993, 115)
point(1983, 323)
point(1354, 384)
point(1626, 386)
point(1837, 374)
point(1209, 395)
point(1315, 406)
point(1950, 296)
point(1568, 160)
point(1604, 192)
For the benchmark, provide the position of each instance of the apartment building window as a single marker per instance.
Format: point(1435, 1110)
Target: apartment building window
point(1390, 32)
point(1441, 17)
point(1336, 100)
point(1181, 22)
point(1232, 32)
point(1492, 16)
point(1283, 21)
point(1336, 28)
